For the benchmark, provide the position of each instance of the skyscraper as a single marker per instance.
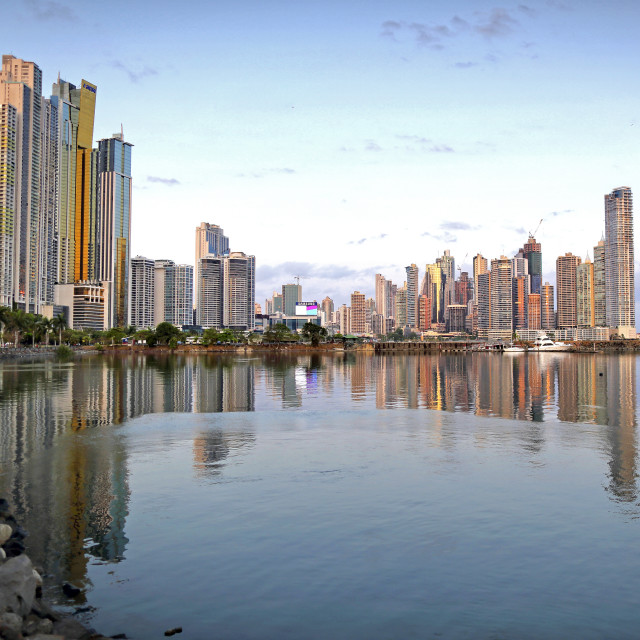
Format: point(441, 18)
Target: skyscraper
point(585, 294)
point(566, 290)
point(291, 295)
point(239, 272)
point(8, 214)
point(21, 87)
point(619, 262)
point(480, 266)
point(209, 292)
point(599, 285)
point(483, 302)
point(210, 241)
point(501, 299)
point(547, 309)
point(533, 253)
point(114, 169)
point(433, 288)
point(358, 313)
point(142, 292)
point(412, 295)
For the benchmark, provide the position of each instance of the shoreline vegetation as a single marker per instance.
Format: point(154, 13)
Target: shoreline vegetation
point(433, 346)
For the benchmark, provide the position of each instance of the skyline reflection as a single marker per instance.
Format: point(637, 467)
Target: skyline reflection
point(74, 498)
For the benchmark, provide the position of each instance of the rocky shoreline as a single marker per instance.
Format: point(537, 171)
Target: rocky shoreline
point(23, 611)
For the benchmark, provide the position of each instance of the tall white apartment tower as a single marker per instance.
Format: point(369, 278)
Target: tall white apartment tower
point(619, 276)
point(142, 292)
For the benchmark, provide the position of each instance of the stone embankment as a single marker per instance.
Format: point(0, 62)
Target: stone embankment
point(23, 612)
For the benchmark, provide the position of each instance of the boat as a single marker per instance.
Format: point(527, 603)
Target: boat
point(514, 348)
point(544, 343)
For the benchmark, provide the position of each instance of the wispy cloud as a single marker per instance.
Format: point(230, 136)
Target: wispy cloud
point(447, 237)
point(372, 145)
point(497, 23)
point(554, 214)
point(454, 225)
point(170, 182)
point(134, 76)
point(363, 240)
point(264, 172)
point(422, 144)
point(47, 10)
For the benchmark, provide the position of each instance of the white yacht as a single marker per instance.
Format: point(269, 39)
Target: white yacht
point(544, 343)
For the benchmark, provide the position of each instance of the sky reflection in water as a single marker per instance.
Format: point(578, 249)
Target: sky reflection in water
point(335, 519)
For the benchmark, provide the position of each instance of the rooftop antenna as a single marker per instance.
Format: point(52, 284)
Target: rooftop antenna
point(121, 132)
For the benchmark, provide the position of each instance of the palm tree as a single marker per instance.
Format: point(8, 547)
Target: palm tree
point(59, 324)
point(44, 327)
point(5, 315)
point(18, 323)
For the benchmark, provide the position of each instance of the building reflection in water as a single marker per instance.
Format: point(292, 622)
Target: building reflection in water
point(74, 498)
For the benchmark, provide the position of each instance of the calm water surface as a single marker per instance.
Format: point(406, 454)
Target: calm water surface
point(343, 496)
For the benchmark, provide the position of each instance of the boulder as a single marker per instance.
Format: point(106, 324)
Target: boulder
point(5, 533)
point(11, 626)
point(17, 585)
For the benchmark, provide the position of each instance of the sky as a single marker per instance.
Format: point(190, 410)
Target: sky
point(338, 139)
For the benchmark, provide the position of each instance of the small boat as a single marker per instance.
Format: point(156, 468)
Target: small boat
point(514, 348)
point(544, 343)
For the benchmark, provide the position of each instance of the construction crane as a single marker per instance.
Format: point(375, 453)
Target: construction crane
point(463, 259)
point(533, 234)
point(298, 278)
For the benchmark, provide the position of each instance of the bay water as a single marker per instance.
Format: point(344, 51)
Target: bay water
point(331, 496)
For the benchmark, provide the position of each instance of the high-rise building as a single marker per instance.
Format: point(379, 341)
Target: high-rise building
point(226, 291)
point(21, 87)
point(599, 285)
point(291, 295)
point(501, 299)
point(480, 265)
point(520, 302)
point(534, 312)
point(483, 300)
point(358, 313)
point(8, 186)
point(619, 262)
point(433, 288)
point(566, 290)
point(464, 291)
point(173, 293)
point(424, 313)
point(401, 306)
point(209, 292)
point(327, 308)
point(210, 241)
point(547, 309)
point(344, 319)
point(533, 253)
point(142, 292)
point(585, 295)
point(412, 295)
point(114, 175)
point(448, 265)
point(239, 291)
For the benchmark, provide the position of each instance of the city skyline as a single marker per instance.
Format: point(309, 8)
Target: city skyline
point(392, 133)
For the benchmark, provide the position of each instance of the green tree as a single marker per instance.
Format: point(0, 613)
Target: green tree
point(5, 319)
point(59, 324)
point(210, 336)
point(397, 335)
point(18, 322)
point(44, 328)
point(165, 331)
point(279, 332)
point(313, 333)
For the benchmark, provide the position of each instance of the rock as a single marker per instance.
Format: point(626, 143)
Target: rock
point(17, 585)
point(70, 590)
point(5, 533)
point(4, 508)
point(11, 626)
point(172, 632)
point(38, 578)
point(13, 548)
point(46, 636)
point(45, 626)
point(43, 610)
point(19, 533)
point(31, 625)
point(72, 629)
point(3, 554)
point(119, 636)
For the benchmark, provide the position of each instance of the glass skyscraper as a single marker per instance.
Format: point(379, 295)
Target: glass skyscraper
point(114, 184)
